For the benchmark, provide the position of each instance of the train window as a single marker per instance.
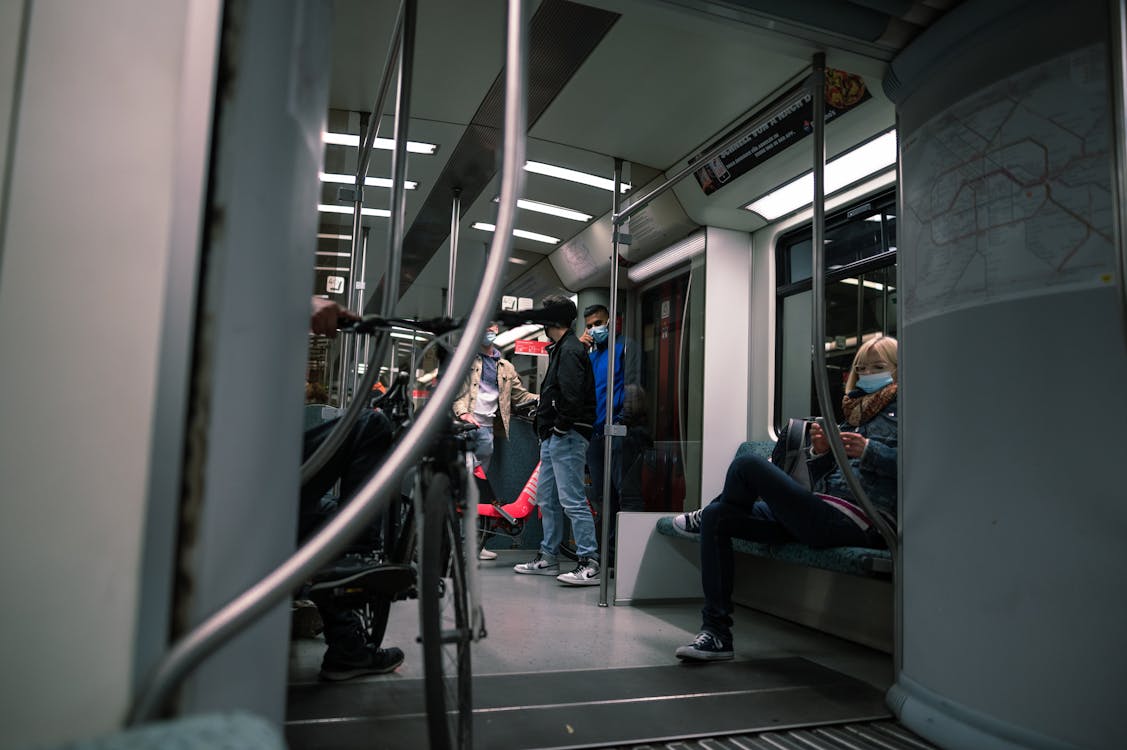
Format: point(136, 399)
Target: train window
point(860, 301)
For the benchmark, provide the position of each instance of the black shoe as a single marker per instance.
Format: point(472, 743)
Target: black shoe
point(371, 661)
point(706, 647)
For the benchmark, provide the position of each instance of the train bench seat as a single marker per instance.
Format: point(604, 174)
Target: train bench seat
point(861, 561)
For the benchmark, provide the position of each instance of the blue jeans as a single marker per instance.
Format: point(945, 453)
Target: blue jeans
point(483, 446)
point(561, 491)
point(761, 503)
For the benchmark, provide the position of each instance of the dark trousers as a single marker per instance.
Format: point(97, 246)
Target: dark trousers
point(625, 480)
point(363, 449)
point(762, 503)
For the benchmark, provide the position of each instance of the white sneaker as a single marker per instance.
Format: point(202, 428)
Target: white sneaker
point(688, 524)
point(486, 554)
point(541, 565)
point(586, 573)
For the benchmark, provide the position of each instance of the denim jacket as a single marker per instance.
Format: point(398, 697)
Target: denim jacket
point(876, 467)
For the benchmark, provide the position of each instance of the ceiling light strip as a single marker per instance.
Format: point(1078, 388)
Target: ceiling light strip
point(573, 175)
point(347, 179)
point(847, 169)
point(325, 209)
point(386, 144)
point(547, 239)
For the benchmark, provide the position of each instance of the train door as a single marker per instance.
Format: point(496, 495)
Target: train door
point(672, 325)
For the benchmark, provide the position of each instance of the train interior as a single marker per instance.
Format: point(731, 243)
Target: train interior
point(156, 325)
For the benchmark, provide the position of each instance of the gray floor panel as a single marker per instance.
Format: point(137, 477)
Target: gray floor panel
point(584, 708)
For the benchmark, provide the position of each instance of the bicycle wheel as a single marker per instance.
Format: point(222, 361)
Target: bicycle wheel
point(445, 622)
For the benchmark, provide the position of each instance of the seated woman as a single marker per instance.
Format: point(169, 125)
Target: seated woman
point(762, 503)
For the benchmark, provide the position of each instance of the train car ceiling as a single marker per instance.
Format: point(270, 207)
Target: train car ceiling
point(654, 83)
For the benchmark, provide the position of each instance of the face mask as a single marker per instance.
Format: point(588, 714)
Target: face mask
point(599, 334)
point(488, 338)
point(874, 382)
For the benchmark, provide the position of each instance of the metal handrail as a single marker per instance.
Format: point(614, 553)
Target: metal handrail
point(608, 422)
point(821, 379)
point(374, 496)
point(336, 436)
point(636, 205)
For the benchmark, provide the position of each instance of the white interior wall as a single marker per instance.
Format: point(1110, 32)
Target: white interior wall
point(727, 317)
point(85, 251)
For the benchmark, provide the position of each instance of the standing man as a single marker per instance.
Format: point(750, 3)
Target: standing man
point(627, 373)
point(486, 401)
point(563, 423)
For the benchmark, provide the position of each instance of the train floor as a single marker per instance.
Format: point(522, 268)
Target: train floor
point(557, 671)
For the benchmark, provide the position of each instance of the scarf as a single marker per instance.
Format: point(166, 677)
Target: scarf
point(861, 408)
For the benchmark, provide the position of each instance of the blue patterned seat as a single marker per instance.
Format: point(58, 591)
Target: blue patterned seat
point(860, 561)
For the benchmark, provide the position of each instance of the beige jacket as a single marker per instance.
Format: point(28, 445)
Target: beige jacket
point(510, 392)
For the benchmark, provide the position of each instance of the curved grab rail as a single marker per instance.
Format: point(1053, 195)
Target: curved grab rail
point(375, 494)
point(821, 379)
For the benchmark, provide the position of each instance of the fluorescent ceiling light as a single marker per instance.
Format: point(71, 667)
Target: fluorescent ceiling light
point(572, 175)
point(346, 210)
point(518, 261)
point(870, 284)
point(675, 254)
point(329, 268)
point(408, 336)
point(348, 179)
point(518, 233)
point(338, 255)
point(548, 208)
point(334, 236)
point(852, 166)
point(345, 139)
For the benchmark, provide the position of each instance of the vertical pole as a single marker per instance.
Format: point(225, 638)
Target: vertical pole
point(399, 160)
point(1119, 143)
point(608, 423)
point(455, 216)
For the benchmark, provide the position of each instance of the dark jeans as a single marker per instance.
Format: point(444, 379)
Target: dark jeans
point(354, 462)
point(625, 480)
point(762, 504)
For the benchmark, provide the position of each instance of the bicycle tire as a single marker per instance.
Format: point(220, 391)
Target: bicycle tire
point(443, 596)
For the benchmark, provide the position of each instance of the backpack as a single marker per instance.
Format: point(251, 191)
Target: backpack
point(791, 451)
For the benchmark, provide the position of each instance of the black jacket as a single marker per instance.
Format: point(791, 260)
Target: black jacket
point(567, 395)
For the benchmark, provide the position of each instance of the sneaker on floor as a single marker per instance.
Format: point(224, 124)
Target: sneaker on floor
point(586, 573)
point(706, 647)
point(687, 524)
point(486, 554)
point(541, 565)
point(371, 661)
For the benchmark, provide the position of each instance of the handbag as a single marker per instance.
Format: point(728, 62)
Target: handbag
point(792, 449)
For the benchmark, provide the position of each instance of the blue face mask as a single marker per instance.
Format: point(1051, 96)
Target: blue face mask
point(488, 338)
point(874, 382)
point(599, 334)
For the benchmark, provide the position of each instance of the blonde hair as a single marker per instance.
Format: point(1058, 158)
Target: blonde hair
point(882, 349)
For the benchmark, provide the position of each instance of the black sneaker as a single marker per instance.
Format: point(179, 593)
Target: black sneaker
point(687, 524)
point(706, 647)
point(371, 661)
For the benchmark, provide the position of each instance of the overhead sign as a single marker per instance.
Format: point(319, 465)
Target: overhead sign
point(530, 346)
point(334, 284)
point(783, 123)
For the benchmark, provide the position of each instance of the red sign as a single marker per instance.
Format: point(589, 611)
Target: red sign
point(528, 346)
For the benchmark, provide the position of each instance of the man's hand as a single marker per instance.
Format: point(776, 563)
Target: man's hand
point(467, 417)
point(586, 340)
point(327, 315)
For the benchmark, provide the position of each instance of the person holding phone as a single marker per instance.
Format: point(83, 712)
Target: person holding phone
point(762, 503)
